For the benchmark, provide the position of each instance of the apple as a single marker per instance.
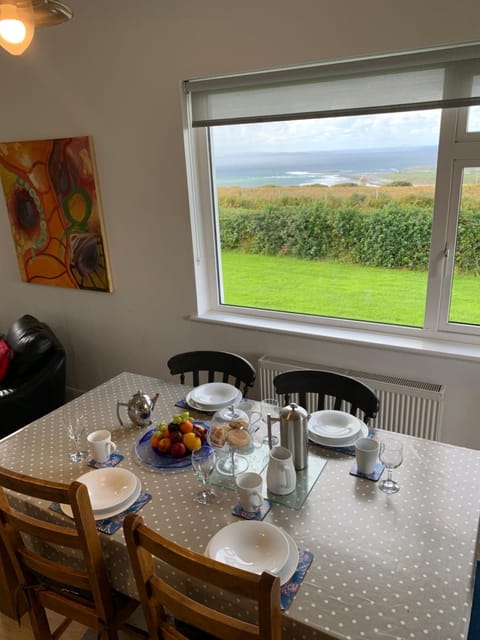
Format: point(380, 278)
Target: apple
point(178, 450)
point(176, 436)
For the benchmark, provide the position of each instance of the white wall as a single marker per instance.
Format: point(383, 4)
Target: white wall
point(115, 75)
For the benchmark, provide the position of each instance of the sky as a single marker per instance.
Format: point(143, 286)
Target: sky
point(354, 132)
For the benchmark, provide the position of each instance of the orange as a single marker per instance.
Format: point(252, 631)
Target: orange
point(164, 445)
point(186, 426)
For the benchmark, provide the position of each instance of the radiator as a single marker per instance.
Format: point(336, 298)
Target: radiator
point(406, 406)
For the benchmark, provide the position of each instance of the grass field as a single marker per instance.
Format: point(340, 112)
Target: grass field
point(391, 296)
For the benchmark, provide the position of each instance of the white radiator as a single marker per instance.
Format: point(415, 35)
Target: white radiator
point(406, 406)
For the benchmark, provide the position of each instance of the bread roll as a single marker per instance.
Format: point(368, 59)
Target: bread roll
point(238, 438)
point(218, 435)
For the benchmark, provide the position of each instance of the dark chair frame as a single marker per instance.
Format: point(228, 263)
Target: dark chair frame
point(321, 384)
point(233, 368)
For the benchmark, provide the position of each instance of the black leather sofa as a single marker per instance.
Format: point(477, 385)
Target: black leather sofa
point(35, 380)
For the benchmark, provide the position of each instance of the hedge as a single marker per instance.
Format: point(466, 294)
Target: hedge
point(395, 235)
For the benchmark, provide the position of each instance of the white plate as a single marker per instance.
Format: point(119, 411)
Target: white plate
point(291, 565)
point(251, 545)
point(201, 407)
point(214, 394)
point(112, 512)
point(109, 487)
point(334, 425)
point(328, 442)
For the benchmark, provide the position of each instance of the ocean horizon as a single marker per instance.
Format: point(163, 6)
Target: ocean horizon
point(371, 167)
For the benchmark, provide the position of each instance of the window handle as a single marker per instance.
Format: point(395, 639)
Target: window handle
point(446, 250)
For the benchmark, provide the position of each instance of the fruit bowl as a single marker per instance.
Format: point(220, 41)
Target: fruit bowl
point(180, 436)
point(156, 459)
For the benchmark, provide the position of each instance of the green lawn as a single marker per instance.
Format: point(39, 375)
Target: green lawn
point(340, 290)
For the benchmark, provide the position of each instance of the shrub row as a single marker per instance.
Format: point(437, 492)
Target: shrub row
point(394, 235)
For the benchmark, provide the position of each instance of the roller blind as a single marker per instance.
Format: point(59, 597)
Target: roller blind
point(429, 79)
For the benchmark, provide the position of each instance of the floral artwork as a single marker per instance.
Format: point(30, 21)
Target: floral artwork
point(54, 211)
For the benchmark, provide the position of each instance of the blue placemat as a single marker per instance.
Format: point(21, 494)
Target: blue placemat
point(253, 515)
point(183, 404)
point(349, 451)
point(110, 525)
point(112, 461)
point(375, 475)
point(290, 588)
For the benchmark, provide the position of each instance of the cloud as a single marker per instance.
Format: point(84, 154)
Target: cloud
point(351, 132)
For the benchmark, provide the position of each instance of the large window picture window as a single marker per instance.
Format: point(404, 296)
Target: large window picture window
point(331, 217)
point(347, 193)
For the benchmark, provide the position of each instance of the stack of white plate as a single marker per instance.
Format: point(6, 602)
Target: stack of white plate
point(213, 396)
point(255, 546)
point(335, 428)
point(111, 490)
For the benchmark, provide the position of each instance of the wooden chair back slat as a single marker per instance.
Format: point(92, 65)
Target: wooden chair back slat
point(199, 615)
point(54, 571)
point(160, 599)
point(55, 534)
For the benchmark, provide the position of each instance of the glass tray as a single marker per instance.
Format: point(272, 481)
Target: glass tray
point(258, 461)
point(256, 456)
point(306, 478)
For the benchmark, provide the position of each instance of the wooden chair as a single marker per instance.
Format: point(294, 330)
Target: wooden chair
point(315, 386)
point(83, 593)
point(161, 601)
point(232, 367)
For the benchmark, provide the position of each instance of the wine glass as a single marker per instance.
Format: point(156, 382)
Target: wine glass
point(203, 463)
point(270, 406)
point(391, 454)
point(76, 428)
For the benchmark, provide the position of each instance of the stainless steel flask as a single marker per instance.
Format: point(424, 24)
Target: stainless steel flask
point(293, 433)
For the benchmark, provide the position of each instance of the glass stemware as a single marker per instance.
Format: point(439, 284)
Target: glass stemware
point(270, 406)
point(76, 428)
point(391, 454)
point(203, 463)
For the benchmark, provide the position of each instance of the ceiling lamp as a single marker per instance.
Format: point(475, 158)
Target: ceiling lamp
point(19, 18)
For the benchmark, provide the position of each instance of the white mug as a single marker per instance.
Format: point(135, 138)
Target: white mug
point(249, 488)
point(101, 445)
point(366, 453)
point(281, 475)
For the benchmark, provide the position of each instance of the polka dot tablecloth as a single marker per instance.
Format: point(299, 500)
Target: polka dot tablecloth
point(385, 567)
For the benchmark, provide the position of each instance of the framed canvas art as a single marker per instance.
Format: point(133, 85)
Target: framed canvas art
point(53, 205)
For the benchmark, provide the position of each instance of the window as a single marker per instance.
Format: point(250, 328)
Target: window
point(344, 194)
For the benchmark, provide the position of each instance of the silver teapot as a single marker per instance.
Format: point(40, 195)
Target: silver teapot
point(139, 409)
point(294, 433)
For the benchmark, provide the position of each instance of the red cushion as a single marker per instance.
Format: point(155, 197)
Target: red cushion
point(6, 355)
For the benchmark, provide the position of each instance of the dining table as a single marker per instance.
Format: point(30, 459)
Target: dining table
point(386, 567)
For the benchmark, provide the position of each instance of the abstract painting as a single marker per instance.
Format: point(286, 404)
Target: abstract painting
point(54, 211)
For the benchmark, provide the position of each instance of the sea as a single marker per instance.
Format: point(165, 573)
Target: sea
point(370, 167)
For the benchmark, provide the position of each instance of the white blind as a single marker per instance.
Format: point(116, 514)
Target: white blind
point(430, 79)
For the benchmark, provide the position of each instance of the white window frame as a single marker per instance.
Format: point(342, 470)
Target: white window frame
point(457, 149)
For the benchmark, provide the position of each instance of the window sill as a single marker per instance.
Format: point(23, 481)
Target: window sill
point(431, 346)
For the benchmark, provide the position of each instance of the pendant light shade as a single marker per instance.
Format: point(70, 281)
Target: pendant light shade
point(17, 27)
point(19, 18)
